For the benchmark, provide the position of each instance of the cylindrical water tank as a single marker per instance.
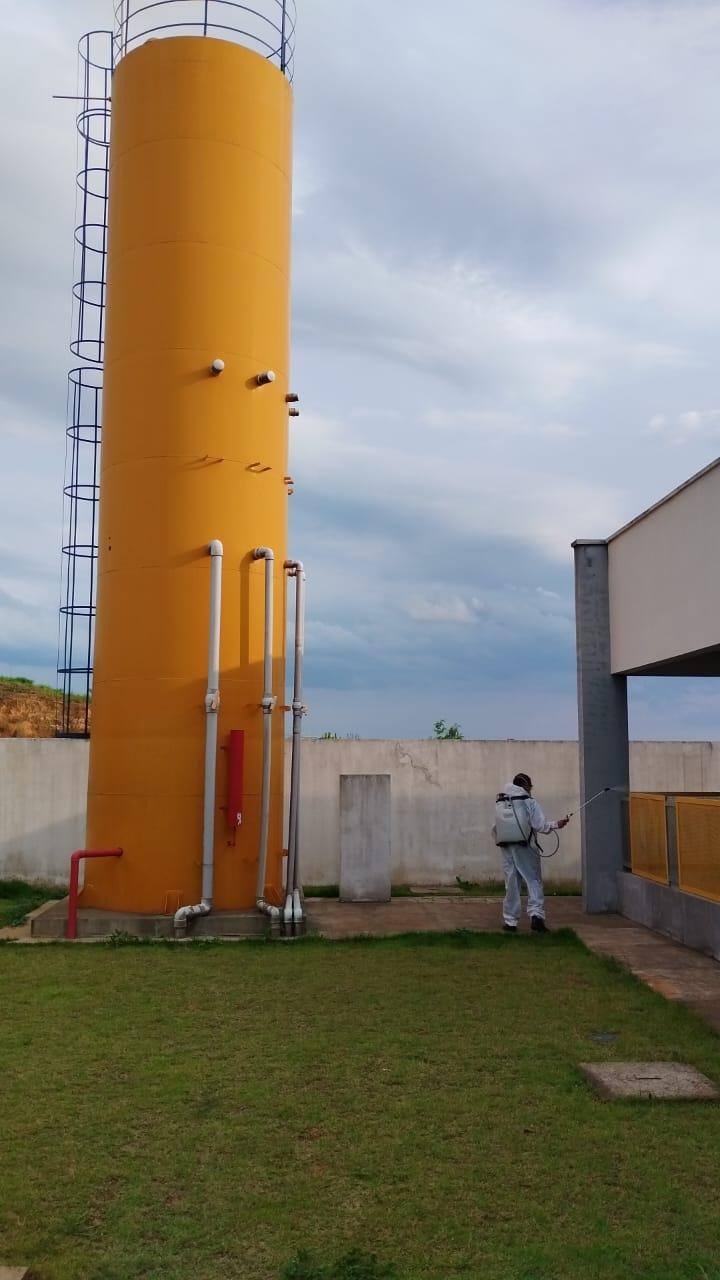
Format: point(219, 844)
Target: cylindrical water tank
point(198, 272)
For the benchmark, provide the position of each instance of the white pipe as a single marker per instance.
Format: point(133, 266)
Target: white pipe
point(268, 704)
point(293, 905)
point(212, 706)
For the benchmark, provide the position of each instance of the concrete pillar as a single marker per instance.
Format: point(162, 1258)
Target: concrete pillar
point(365, 837)
point(603, 730)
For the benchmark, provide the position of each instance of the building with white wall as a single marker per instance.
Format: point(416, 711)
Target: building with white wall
point(648, 604)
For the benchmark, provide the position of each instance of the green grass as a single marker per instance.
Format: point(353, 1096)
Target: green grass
point(17, 898)
point(496, 888)
point(21, 684)
point(211, 1110)
point(472, 888)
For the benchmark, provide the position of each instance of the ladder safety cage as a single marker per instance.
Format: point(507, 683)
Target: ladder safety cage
point(85, 384)
point(267, 26)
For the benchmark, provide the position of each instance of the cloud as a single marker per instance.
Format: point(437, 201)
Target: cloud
point(691, 425)
point(506, 264)
point(495, 422)
point(464, 496)
point(453, 609)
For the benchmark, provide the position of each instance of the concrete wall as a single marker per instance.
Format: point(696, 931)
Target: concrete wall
point(442, 801)
point(43, 785)
point(443, 797)
point(664, 593)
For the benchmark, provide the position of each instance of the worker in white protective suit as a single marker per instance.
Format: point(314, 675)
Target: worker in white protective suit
point(518, 820)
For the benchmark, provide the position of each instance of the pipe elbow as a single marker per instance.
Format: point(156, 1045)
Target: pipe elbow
point(267, 909)
point(181, 917)
point(216, 548)
point(263, 553)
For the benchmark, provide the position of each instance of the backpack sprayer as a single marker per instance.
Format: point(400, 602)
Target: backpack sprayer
point(509, 828)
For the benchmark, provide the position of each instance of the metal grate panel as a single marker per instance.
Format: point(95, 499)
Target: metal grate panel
point(648, 837)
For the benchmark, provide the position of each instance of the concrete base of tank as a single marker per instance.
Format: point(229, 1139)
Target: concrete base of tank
point(50, 922)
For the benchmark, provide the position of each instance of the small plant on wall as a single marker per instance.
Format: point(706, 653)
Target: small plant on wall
point(447, 732)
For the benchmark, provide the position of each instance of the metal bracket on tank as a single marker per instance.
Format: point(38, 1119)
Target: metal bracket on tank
point(258, 469)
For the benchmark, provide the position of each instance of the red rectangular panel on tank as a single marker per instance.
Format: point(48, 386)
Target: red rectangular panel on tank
point(236, 765)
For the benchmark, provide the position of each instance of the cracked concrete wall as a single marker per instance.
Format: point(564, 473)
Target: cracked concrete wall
point(442, 804)
point(442, 796)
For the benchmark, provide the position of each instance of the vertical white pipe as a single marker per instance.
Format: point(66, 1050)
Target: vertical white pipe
point(293, 908)
point(212, 706)
point(268, 703)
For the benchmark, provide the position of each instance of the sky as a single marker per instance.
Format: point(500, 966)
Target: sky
point(506, 301)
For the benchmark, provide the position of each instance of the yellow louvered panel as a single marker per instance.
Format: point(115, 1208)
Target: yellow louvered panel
point(648, 837)
point(698, 832)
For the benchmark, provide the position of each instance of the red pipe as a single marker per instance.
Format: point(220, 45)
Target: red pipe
point(78, 856)
point(236, 765)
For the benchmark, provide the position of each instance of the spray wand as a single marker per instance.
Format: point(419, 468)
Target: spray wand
point(595, 797)
point(572, 815)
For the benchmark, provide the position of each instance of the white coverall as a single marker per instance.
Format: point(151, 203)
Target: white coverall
point(521, 860)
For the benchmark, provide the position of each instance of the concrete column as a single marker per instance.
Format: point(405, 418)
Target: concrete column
point(365, 837)
point(603, 730)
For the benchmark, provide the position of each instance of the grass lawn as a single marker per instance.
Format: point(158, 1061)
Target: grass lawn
point(17, 898)
point(472, 888)
point(207, 1110)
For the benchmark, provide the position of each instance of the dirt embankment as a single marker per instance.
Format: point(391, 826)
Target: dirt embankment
point(30, 710)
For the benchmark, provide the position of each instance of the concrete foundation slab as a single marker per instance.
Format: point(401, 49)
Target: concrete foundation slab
point(668, 1081)
point(365, 837)
point(51, 921)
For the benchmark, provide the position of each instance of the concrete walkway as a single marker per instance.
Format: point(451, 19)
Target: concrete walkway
point(673, 970)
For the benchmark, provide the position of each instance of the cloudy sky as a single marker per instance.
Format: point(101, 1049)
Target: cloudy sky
point(506, 313)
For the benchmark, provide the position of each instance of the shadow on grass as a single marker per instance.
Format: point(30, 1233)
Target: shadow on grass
point(457, 938)
point(352, 1266)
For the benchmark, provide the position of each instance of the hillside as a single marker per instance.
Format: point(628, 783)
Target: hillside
point(30, 710)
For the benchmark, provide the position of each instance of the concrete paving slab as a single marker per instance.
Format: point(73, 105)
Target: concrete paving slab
point(15, 933)
point(13, 1273)
point(668, 1081)
point(435, 891)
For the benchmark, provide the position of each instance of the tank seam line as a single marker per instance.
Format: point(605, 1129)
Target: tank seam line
point(223, 142)
point(119, 254)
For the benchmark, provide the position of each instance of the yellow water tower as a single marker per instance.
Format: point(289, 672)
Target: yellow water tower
point(186, 745)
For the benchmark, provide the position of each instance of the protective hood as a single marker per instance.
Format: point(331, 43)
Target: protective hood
point(512, 790)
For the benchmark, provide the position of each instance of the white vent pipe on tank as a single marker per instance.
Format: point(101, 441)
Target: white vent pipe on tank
point(212, 706)
point(293, 912)
point(268, 704)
